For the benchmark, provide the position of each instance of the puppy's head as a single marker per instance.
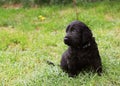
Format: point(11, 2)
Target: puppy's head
point(77, 34)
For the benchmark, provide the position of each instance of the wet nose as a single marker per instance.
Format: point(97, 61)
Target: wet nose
point(66, 39)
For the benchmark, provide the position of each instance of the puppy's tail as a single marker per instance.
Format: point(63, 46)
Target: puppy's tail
point(50, 63)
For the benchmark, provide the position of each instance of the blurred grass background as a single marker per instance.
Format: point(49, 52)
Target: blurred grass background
point(27, 41)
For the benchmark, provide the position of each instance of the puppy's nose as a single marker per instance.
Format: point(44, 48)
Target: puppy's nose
point(66, 40)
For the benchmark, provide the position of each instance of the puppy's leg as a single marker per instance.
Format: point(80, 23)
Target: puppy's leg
point(64, 64)
point(67, 68)
point(99, 70)
point(72, 73)
point(97, 67)
point(72, 68)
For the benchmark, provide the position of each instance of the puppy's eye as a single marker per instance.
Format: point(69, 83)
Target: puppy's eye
point(73, 29)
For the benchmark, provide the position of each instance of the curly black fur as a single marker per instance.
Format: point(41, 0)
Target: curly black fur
point(82, 52)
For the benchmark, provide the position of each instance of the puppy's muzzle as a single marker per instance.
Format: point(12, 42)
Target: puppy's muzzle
point(67, 40)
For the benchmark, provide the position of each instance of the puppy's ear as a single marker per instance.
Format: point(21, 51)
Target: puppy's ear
point(67, 28)
point(86, 35)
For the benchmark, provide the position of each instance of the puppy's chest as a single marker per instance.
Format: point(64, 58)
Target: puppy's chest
point(81, 56)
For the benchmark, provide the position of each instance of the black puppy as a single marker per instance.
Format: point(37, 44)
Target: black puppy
point(82, 52)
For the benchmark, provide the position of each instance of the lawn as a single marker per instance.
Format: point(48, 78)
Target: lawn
point(27, 42)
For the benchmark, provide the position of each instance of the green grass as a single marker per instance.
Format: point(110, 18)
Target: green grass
point(26, 43)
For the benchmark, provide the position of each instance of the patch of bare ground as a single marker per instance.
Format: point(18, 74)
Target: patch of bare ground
point(15, 6)
point(8, 29)
point(109, 17)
